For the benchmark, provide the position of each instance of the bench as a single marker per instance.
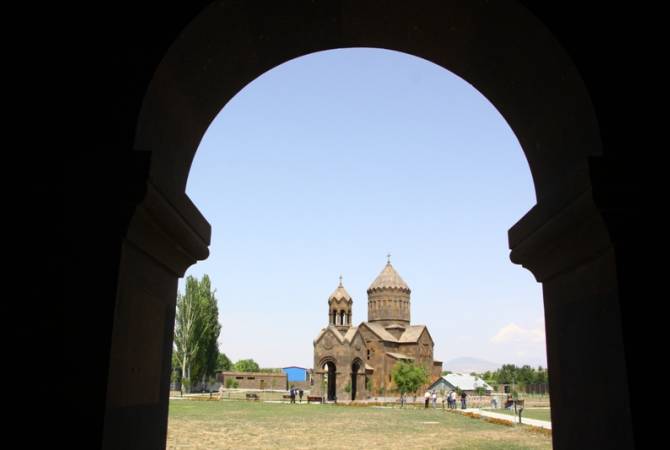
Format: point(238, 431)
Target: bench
point(252, 396)
point(314, 398)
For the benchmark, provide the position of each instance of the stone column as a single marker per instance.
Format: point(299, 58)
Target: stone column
point(317, 388)
point(566, 245)
point(161, 243)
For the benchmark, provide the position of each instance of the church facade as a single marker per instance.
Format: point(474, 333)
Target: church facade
point(355, 362)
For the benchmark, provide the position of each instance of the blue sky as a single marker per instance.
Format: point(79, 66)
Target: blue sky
point(325, 164)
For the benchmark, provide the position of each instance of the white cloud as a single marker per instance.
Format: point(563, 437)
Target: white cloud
point(513, 333)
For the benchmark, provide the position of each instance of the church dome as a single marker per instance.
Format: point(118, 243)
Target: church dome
point(389, 279)
point(340, 293)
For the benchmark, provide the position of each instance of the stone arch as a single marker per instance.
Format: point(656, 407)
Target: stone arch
point(498, 47)
point(327, 359)
point(331, 388)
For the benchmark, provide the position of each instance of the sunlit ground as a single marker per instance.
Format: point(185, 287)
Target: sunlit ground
point(239, 424)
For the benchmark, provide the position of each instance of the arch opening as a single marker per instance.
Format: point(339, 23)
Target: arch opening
point(331, 380)
point(533, 84)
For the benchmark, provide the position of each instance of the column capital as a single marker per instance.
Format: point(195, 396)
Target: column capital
point(174, 235)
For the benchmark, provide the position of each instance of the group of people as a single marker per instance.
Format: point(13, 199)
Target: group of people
point(293, 392)
point(448, 398)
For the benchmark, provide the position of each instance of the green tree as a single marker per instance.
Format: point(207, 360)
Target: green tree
point(525, 375)
point(506, 374)
point(541, 376)
point(223, 363)
point(408, 377)
point(196, 330)
point(246, 365)
point(206, 361)
point(175, 376)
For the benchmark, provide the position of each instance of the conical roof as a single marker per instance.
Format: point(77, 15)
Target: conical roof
point(340, 293)
point(388, 279)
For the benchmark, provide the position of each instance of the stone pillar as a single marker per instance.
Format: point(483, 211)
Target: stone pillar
point(361, 390)
point(567, 247)
point(317, 388)
point(161, 243)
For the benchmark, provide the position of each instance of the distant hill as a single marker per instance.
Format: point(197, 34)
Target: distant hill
point(468, 365)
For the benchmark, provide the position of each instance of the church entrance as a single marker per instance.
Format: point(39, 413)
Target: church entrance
point(332, 380)
point(354, 375)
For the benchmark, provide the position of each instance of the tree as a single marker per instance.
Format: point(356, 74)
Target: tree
point(408, 377)
point(206, 360)
point(196, 330)
point(246, 365)
point(223, 363)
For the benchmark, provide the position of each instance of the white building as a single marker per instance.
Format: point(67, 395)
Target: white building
point(467, 383)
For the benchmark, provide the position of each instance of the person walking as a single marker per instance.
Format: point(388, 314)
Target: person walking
point(434, 398)
point(300, 392)
point(426, 398)
point(292, 394)
point(463, 396)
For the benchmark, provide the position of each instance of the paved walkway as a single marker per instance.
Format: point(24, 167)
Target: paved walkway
point(515, 419)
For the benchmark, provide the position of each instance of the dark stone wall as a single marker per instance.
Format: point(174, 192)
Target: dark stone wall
point(104, 180)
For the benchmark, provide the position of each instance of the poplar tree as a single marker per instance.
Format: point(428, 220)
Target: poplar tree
point(196, 330)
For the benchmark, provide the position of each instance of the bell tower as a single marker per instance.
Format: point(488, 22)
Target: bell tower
point(339, 308)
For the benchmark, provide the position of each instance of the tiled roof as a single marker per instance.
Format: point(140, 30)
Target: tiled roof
point(412, 334)
point(349, 335)
point(340, 294)
point(380, 331)
point(388, 279)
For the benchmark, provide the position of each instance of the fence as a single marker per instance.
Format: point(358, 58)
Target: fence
point(536, 388)
point(241, 394)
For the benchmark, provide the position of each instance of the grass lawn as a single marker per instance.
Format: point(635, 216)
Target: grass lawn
point(212, 425)
point(530, 413)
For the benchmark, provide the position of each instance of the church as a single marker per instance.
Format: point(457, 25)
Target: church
point(355, 362)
